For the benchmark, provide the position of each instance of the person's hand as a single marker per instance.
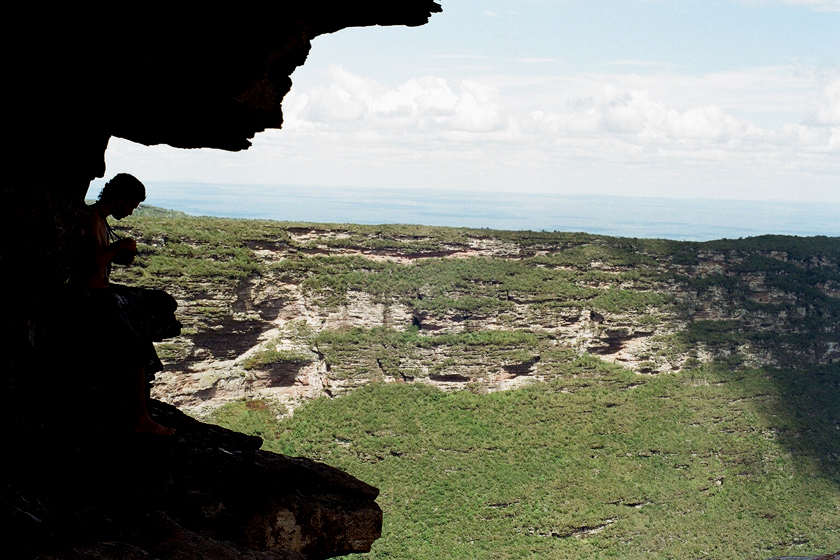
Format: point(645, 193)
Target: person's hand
point(128, 244)
point(126, 251)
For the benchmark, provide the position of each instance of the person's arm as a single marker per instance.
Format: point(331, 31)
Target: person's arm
point(103, 252)
point(120, 252)
point(124, 251)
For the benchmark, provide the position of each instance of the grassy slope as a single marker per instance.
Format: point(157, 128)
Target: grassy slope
point(716, 461)
point(702, 464)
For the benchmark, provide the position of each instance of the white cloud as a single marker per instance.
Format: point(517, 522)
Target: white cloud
point(423, 104)
point(477, 109)
point(655, 135)
point(649, 121)
point(649, 135)
point(827, 110)
point(771, 96)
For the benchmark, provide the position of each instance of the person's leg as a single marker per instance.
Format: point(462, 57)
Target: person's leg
point(140, 416)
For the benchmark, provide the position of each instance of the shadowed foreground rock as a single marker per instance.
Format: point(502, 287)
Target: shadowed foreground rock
point(207, 492)
point(158, 536)
point(190, 76)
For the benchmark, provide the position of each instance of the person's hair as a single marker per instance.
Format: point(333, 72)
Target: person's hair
point(123, 187)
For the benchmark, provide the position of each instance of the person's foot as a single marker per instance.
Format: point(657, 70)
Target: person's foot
point(148, 426)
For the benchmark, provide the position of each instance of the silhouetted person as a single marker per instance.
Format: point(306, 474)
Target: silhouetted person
point(117, 345)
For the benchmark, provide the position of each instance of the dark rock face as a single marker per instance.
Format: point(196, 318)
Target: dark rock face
point(180, 74)
point(189, 76)
point(158, 536)
point(193, 495)
point(183, 75)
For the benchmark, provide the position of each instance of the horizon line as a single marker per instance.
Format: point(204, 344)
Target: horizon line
point(479, 192)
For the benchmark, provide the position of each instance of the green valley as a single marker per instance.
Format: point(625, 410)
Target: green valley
point(522, 394)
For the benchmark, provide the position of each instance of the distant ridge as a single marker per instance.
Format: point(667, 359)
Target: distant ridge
point(643, 218)
point(148, 211)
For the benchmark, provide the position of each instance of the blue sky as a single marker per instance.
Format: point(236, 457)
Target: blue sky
point(682, 99)
point(696, 36)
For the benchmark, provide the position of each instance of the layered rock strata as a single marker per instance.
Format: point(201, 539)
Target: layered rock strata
point(284, 335)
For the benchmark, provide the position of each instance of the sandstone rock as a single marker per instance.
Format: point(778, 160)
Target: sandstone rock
point(208, 374)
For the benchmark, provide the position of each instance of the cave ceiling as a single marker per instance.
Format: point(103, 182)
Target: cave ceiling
point(188, 75)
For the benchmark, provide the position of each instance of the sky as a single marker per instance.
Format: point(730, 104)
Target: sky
point(643, 98)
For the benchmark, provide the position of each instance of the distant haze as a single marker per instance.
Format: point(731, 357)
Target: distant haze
point(681, 219)
point(735, 99)
point(577, 100)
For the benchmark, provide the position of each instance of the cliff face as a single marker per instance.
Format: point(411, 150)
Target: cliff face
point(311, 311)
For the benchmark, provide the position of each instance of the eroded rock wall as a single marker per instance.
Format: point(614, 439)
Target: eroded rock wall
point(273, 336)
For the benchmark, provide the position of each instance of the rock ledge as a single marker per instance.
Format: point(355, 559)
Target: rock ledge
point(207, 492)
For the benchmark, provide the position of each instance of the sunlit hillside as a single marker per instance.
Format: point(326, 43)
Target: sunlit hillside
point(523, 394)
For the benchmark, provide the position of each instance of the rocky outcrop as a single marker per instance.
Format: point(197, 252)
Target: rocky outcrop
point(206, 492)
point(158, 536)
point(693, 311)
point(181, 74)
point(190, 76)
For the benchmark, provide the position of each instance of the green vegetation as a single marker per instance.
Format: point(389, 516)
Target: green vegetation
point(713, 332)
point(538, 270)
point(169, 351)
point(721, 458)
point(184, 250)
point(475, 286)
point(360, 352)
point(771, 295)
point(147, 211)
point(700, 464)
point(253, 417)
point(299, 334)
point(269, 356)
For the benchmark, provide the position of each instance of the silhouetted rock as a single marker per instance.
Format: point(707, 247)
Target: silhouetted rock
point(189, 76)
point(110, 494)
point(181, 74)
point(158, 536)
point(185, 75)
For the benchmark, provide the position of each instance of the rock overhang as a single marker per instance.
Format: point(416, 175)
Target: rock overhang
point(184, 74)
